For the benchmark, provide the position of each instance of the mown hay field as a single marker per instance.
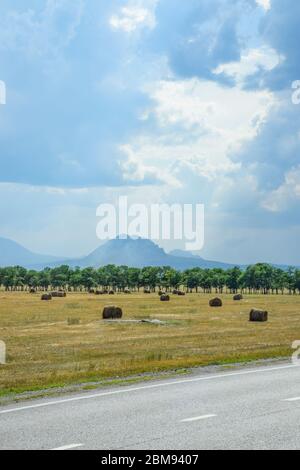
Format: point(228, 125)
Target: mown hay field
point(65, 341)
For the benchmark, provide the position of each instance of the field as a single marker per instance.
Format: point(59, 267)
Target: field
point(45, 350)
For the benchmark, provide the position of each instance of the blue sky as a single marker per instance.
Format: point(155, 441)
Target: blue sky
point(161, 100)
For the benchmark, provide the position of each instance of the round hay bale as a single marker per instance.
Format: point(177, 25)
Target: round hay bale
point(98, 292)
point(147, 291)
point(59, 294)
point(32, 290)
point(46, 297)
point(111, 292)
point(175, 292)
point(127, 291)
point(181, 293)
point(164, 298)
point(258, 315)
point(111, 312)
point(215, 302)
point(238, 297)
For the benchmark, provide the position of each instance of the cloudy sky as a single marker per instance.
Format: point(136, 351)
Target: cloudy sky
point(161, 100)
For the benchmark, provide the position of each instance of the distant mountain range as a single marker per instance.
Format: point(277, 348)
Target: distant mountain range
point(128, 252)
point(140, 252)
point(12, 254)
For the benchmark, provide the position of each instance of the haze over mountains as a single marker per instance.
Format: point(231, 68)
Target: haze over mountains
point(12, 254)
point(130, 252)
point(139, 253)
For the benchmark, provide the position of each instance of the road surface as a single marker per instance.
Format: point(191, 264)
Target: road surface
point(245, 409)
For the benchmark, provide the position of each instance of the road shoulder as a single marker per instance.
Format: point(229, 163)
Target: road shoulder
point(138, 379)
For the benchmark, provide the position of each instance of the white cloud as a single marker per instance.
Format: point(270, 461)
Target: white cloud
point(135, 171)
point(44, 32)
point(251, 62)
point(208, 106)
point(289, 192)
point(199, 123)
point(133, 17)
point(265, 4)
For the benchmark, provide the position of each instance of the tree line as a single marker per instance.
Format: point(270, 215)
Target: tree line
point(259, 278)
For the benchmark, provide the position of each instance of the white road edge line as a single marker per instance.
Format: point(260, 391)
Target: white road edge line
point(147, 387)
point(69, 447)
point(292, 399)
point(197, 418)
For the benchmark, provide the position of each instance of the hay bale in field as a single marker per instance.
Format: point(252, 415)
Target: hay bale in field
point(215, 302)
point(111, 292)
point(164, 298)
point(98, 292)
point(181, 293)
point(111, 312)
point(258, 315)
point(46, 297)
point(32, 290)
point(127, 291)
point(147, 291)
point(91, 291)
point(59, 294)
point(238, 297)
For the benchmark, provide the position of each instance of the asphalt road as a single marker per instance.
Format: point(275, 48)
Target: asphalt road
point(246, 409)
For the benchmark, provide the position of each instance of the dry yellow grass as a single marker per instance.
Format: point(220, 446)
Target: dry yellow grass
point(43, 350)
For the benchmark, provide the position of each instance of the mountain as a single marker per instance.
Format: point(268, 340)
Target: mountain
point(129, 252)
point(138, 252)
point(12, 254)
point(183, 254)
point(204, 263)
point(133, 252)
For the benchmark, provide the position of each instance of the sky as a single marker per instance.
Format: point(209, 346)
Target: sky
point(165, 101)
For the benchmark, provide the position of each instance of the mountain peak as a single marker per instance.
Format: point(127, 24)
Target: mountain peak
point(12, 254)
point(129, 251)
point(133, 252)
point(140, 252)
